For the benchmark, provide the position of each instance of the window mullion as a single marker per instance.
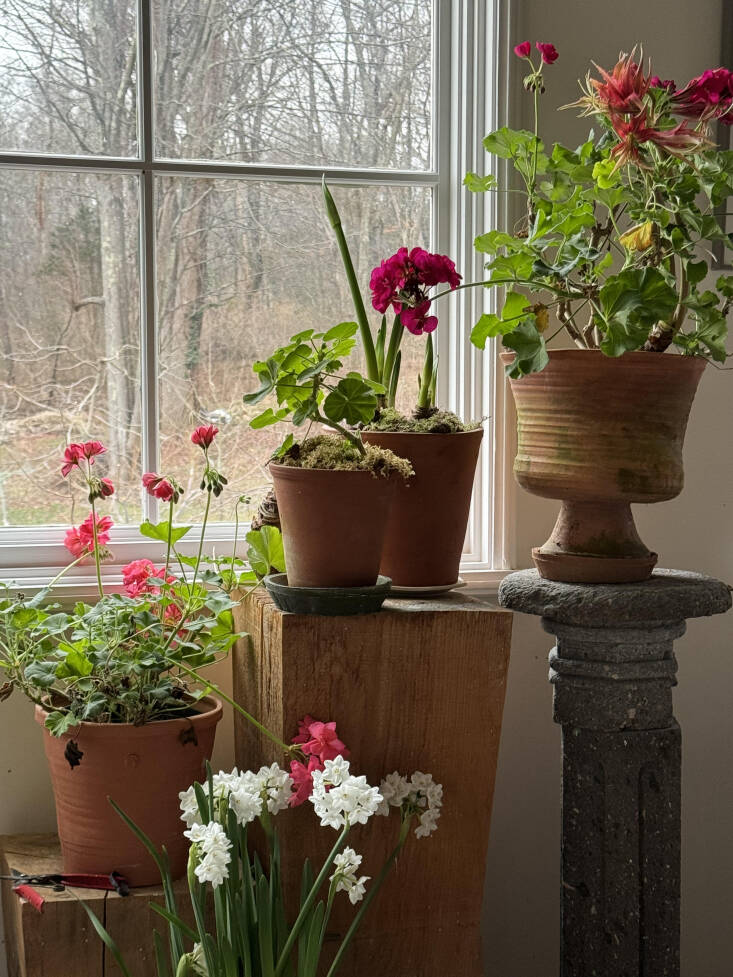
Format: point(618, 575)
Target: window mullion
point(148, 312)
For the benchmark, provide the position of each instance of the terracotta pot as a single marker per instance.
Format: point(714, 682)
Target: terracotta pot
point(143, 769)
point(600, 433)
point(427, 526)
point(333, 524)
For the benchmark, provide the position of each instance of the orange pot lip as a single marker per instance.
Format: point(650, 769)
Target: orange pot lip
point(634, 355)
point(211, 715)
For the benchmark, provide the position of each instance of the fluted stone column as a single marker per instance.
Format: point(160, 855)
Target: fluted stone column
point(612, 671)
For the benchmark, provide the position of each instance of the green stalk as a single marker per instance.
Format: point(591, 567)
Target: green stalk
point(203, 533)
point(426, 381)
point(170, 534)
point(395, 338)
point(394, 380)
point(361, 316)
point(306, 907)
point(96, 550)
point(235, 705)
point(371, 894)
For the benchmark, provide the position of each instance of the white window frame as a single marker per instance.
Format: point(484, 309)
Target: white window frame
point(467, 82)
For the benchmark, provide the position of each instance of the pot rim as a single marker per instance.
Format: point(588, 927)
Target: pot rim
point(214, 711)
point(293, 471)
point(636, 354)
point(433, 434)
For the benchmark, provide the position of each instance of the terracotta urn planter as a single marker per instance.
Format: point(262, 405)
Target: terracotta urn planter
point(143, 769)
point(427, 524)
point(599, 433)
point(333, 524)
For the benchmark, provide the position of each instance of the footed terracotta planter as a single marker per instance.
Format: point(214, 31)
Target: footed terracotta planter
point(427, 526)
point(600, 433)
point(143, 769)
point(333, 524)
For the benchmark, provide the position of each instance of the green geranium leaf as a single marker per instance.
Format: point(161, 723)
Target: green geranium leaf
point(509, 143)
point(605, 174)
point(490, 242)
point(529, 346)
point(725, 286)
point(479, 184)
point(268, 417)
point(344, 330)
point(696, 271)
point(639, 294)
point(265, 550)
point(352, 400)
point(159, 531)
point(284, 447)
point(58, 723)
point(74, 664)
point(41, 673)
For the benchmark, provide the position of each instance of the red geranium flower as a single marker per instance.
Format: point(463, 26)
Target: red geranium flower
point(548, 52)
point(402, 282)
point(710, 95)
point(522, 50)
point(203, 436)
point(159, 487)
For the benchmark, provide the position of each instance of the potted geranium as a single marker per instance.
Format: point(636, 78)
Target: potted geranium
point(616, 242)
point(243, 921)
point(110, 679)
point(427, 525)
point(333, 491)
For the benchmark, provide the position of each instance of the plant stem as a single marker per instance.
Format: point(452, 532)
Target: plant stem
point(235, 705)
point(361, 316)
point(203, 533)
point(311, 898)
point(170, 534)
point(386, 868)
point(96, 550)
point(426, 380)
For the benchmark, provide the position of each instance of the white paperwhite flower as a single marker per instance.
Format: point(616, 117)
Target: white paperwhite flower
point(420, 795)
point(339, 798)
point(346, 863)
point(245, 793)
point(213, 850)
point(276, 786)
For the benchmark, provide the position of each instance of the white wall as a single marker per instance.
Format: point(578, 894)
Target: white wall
point(692, 532)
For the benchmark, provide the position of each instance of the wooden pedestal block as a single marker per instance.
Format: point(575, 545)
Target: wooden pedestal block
point(60, 941)
point(418, 686)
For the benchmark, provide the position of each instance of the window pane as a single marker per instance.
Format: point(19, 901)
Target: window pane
point(318, 82)
point(242, 266)
point(68, 77)
point(69, 341)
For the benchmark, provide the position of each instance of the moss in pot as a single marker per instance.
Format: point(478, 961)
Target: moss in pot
point(333, 492)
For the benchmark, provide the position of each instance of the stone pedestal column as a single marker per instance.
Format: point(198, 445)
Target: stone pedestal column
point(612, 671)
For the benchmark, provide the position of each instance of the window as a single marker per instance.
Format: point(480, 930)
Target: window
point(162, 226)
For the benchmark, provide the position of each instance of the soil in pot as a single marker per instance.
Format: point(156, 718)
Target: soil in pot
point(333, 505)
point(427, 525)
point(143, 769)
point(600, 433)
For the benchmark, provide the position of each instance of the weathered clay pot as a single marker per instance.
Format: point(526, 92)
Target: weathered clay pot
point(600, 433)
point(333, 524)
point(143, 769)
point(427, 525)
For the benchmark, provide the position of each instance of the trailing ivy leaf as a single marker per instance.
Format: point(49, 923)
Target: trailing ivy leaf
point(159, 531)
point(479, 184)
point(529, 346)
point(352, 400)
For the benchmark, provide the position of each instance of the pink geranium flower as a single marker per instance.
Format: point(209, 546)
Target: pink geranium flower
point(75, 452)
point(402, 282)
point(522, 50)
point(203, 436)
point(548, 52)
point(304, 725)
point(324, 742)
point(142, 577)
point(79, 540)
point(107, 488)
point(159, 487)
point(303, 779)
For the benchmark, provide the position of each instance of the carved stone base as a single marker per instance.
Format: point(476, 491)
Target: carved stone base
point(612, 670)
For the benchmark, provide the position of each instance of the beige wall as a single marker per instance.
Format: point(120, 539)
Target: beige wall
point(693, 532)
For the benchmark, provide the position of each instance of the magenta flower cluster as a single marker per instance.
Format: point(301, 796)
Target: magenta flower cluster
point(402, 282)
